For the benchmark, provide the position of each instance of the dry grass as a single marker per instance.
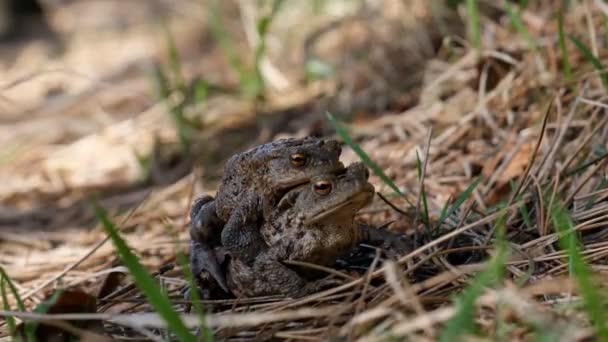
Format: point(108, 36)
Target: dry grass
point(72, 125)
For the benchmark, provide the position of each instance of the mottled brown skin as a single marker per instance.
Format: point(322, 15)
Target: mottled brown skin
point(311, 224)
point(253, 183)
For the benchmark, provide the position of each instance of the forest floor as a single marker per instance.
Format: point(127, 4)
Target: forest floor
point(492, 124)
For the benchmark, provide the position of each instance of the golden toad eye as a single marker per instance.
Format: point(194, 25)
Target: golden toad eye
point(323, 187)
point(298, 159)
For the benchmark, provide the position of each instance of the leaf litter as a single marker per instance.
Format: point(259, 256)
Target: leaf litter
point(75, 125)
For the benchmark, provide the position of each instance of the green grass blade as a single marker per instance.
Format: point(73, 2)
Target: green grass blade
point(605, 17)
point(597, 64)
point(248, 80)
point(10, 321)
point(13, 289)
point(29, 328)
point(444, 210)
point(42, 308)
point(201, 91)
point(161, 83)
point(443, 214)
point(45, 306)
point(463, 321)
point(474, 24)
point(196, 299)
point(562, 46)
point(459, 201)
point(174, 60)
point(425, 207)
point(217, 29)
point(583, 164)
point(525, 214)
point(544, 335)
point(257, 84)
point(182, 125)
point(523, 208)
point(264, 23)
point(582, 273)
point(343, 133)
point(518, 24)
point(144, 281)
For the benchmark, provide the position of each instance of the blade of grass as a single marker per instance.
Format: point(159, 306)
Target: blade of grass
point(195, 297)
point(201, 91)
point(518, 24)
point(42, 308)
point(605, 17)
point(459, 201)
point(583, 165)
point(10, 321)
point(581, 272)
point(473, 24)
point(262, 27)
point(144, 281)
point(13, 289)
point(425, 207)
point(217, 29)
point(248, 79)
point(437, 230)
point(163, 91)
point(184, 263)
point(597, 64)
point(523, 209)
point(343, 133)
point(525, 214)
point(182, 124)
point(562, 46)
point(6, 280)
point(264, 24)
point(174, 60)
point(463, 321)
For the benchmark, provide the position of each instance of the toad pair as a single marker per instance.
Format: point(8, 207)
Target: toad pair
point(287, 200)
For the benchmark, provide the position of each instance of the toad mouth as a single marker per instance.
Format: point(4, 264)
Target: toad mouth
point(363, 196)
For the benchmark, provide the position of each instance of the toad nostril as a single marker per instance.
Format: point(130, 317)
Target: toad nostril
point(323, 187)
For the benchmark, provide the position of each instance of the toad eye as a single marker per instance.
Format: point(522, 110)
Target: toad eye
point(323, 187)
point(298, 159)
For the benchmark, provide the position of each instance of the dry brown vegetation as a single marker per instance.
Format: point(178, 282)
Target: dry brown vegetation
point(79, 117)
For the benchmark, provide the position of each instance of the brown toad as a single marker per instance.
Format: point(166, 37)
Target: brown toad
point(253, 183)
point(312, 223)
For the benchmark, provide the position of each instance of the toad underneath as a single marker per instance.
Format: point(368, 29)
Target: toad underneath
point(314, 223)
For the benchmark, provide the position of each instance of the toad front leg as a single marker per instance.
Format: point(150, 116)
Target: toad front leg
point(204, 234)
point(269, 276)
point(241, 234)
point(382, 238)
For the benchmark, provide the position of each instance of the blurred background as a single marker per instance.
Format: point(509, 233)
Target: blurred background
point(115, 92)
